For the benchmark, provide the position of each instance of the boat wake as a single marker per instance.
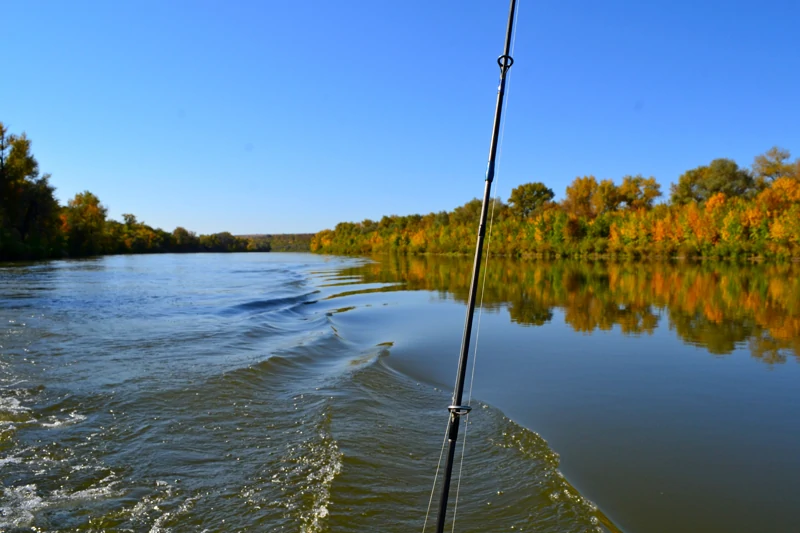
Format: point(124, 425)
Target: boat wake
point(282, 413)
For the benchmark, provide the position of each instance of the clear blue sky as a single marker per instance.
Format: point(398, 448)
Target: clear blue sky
point(273, 117)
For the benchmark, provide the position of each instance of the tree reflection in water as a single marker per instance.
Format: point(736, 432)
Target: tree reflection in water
point(717, 306)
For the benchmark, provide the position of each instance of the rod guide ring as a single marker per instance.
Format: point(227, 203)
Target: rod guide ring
point(505, 61)
point(459, 409)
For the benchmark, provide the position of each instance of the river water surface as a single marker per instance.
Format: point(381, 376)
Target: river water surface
point(293, 392)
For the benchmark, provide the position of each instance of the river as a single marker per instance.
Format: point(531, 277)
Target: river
point(296, 392)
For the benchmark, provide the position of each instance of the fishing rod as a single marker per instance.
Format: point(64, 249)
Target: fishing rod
point(456, 408)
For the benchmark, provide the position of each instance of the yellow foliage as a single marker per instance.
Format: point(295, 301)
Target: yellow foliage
point(418, 238)
point(777, 231)
point(628, 231)
point(715, 202)
point(753, 217)
point(730, 220)
point(614, 234)
point(661, 231)
point(778, 197)
point(787, 188)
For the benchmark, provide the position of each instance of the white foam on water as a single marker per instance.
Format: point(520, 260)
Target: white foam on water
point(12, 405)
point(18, 505)
point(140, 512)
point(73, 418)
point(102, 489)
point(325, 464)
point(10, 460)
point(185, 507)
point(303, 482)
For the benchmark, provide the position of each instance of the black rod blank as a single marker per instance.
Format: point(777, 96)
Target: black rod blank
point(456, 409)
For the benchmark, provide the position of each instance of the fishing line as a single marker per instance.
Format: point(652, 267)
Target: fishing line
point(435, 478)
point(485, 271)
point(458, 409)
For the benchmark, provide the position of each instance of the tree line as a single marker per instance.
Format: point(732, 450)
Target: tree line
point(283, 242)
point(33, 225)
point(717, 210)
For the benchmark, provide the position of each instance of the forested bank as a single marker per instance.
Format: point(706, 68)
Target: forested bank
point(283, 242)
point(33, 225)
point(717, 210)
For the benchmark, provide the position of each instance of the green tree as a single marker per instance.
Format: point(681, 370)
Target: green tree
point(606, 198)
point(721, 175)
point(586, 198)
point(28, 208)
point(467, 214)
point(184, 240)
point(39, 223)
point(579, 194)
point(637, 192)
point(771, 165)
point(529, 198)
point(17, 165)
point(83, 222)
point(223, 242)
